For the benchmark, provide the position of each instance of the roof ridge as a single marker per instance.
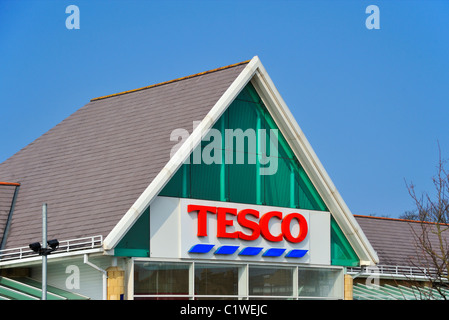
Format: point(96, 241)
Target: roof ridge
point(9, 183)
point(397, 219)
point(171, 81)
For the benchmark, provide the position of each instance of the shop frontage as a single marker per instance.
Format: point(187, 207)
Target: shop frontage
point(286, 254)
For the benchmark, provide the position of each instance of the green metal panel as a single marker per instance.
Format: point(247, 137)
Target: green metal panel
point(27, 289)
point(124, 252)
point(179, 184)
point(363, 292)
point(51, 289)
point(342, 254)
point(12, 294)
point(204, 181)
point(390, 292)
point(244, 185)
point(240, 181)
point(23, 288)
point(136, 242)
point(278, 188)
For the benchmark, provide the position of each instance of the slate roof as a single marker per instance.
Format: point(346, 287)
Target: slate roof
point(395, 240)
point(91, 167)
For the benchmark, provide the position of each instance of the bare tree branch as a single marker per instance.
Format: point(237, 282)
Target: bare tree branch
point(432, 238)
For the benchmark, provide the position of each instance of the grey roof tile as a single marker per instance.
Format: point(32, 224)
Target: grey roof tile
point(395, 240)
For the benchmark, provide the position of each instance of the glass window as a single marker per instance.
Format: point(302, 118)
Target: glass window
point(218, 280)
point(322, 282)
point(159, 278)
point(173, 280)
point(265, 281)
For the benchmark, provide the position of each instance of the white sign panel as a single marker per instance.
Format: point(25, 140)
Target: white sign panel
point(200, 229)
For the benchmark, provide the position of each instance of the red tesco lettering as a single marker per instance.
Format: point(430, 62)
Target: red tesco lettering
point(250, 220)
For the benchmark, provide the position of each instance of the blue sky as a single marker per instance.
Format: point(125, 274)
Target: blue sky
point(372, 103)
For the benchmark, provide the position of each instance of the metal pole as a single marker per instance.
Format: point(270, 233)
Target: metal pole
point(44, 256)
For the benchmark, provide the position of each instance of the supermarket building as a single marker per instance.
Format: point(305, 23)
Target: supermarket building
point(199, 187)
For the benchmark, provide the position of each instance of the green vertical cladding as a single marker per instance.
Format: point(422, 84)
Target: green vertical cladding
point(235, 174)
point(136, 242)
point(342, 253)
